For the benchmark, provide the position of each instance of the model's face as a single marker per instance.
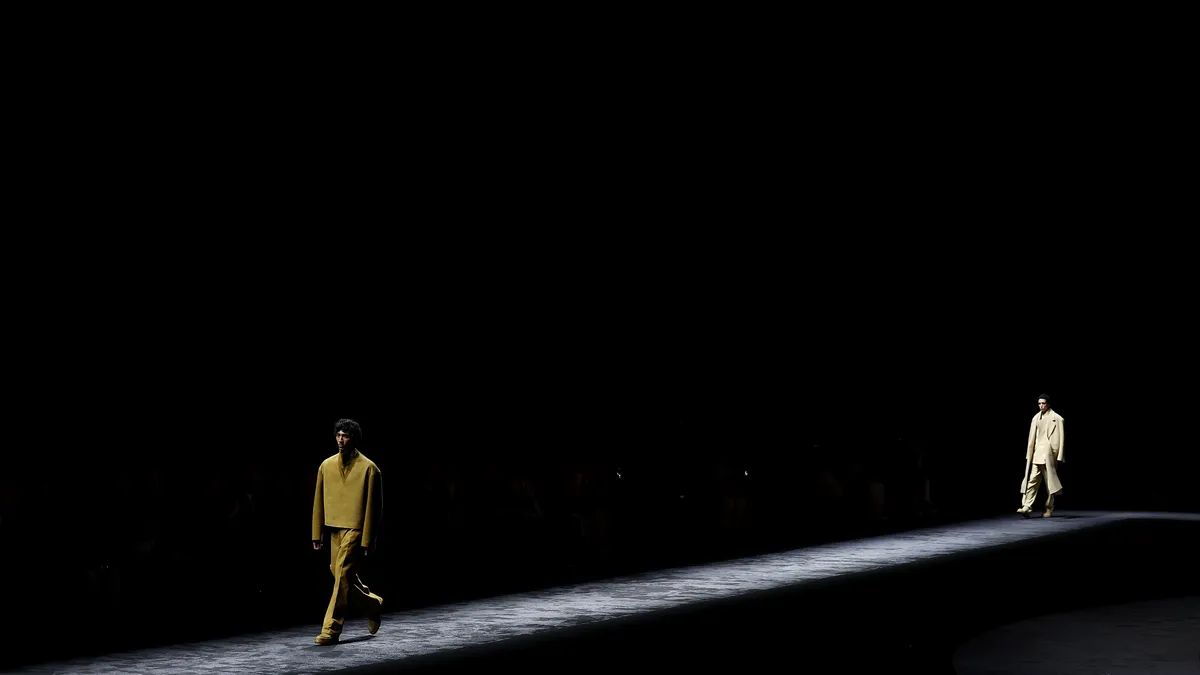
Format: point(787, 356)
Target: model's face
point(1043, 404)
point(344, 441)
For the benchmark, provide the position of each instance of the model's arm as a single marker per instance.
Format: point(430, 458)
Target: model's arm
point(1062, 439)
point(374, 511)
point(318, 517)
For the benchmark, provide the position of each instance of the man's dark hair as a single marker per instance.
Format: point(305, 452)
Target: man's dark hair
point(1045, 397)
point(351, 427)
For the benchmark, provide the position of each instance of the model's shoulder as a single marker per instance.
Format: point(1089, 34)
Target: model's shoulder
point(332, 458)
point(370, 465)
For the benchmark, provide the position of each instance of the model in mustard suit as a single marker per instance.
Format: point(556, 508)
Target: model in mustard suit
point(348, 504)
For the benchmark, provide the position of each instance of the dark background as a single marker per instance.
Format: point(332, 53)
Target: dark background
point(159, 482)
point(731, 289)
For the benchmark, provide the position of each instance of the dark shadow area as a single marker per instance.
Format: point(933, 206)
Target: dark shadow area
point(1148, 636)
point(1065, 517)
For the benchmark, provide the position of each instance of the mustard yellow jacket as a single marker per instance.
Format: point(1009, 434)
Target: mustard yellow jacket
point(349, 496)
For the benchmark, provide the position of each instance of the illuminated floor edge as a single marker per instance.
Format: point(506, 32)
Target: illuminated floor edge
point(445, 628)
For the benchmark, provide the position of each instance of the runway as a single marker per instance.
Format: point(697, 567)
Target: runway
point(907, 600)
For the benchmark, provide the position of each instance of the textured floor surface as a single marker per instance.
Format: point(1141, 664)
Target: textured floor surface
point(451, 627)
point(1160, 637)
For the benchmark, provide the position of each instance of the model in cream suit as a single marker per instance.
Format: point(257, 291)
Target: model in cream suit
point(348, 504)
point(1043, 454)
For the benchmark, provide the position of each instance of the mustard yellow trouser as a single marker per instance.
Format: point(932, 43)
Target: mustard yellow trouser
point(1035, 481)
point(344, 559)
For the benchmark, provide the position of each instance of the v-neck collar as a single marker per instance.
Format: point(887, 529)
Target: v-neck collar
point(348, 464)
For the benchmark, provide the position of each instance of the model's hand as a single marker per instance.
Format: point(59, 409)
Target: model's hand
point(317, 545)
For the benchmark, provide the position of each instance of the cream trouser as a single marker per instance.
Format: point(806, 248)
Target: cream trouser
point(1035, 481)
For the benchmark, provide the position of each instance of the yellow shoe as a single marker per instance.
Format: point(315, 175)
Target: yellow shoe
point(325, 639)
